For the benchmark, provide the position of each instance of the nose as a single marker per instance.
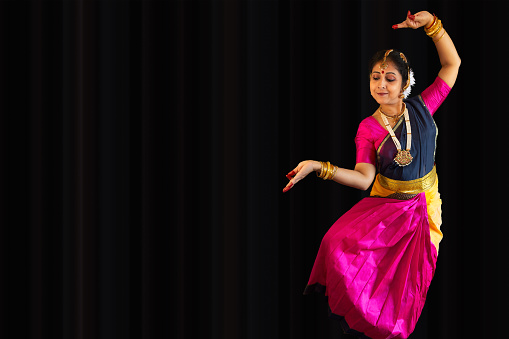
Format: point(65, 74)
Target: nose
point(382, 84)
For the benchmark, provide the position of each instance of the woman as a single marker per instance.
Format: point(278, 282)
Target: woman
point(375, 264)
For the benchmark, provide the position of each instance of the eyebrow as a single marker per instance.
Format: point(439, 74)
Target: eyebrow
point(385, 73)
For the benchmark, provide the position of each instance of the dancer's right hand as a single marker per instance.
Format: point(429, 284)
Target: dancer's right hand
point(300, 172)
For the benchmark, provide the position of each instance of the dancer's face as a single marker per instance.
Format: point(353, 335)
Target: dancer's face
point(385, 84)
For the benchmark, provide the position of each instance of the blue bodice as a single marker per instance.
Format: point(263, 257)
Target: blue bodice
point(424, 134)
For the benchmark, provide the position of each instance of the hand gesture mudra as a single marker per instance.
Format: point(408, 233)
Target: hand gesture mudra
point(416, 20)
point(300, 172)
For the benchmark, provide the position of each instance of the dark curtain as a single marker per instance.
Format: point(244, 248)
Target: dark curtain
point(144, 147)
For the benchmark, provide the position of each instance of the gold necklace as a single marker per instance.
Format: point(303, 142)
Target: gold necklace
point(403, 157)
point(397, 116)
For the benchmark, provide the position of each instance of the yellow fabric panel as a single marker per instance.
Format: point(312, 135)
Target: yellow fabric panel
point(433, 202)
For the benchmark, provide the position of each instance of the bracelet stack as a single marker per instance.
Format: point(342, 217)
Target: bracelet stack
point(434, 29)
point(328, 171)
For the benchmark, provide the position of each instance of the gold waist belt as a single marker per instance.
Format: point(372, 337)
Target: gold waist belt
point(411, 186)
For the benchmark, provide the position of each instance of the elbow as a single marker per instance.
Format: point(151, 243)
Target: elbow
point(364, 186)
point(365, 179)
point(457, 63)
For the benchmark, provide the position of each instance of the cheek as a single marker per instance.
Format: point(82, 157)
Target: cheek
point(372, 86)
point(393, 87)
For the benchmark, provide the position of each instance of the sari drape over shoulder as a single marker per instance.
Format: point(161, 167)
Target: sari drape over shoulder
point(376, 262)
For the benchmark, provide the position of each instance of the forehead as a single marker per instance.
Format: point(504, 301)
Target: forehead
point(390, 68)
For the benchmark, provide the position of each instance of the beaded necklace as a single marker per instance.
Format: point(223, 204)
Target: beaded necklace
point(403, 157)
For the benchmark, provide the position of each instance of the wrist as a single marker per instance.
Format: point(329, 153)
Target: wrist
point(431, 21)
point(317, 166)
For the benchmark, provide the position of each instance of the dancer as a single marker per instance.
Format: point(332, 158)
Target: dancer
point(376, 262)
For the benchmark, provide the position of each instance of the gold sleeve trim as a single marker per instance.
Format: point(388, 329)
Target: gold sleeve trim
point(409, 187)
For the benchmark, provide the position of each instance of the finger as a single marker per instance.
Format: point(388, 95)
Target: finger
point(288, 187)
point(291, 174)
point(407, 23)
point(404, 24)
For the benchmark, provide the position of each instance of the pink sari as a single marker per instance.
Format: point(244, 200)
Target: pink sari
point(377, 262)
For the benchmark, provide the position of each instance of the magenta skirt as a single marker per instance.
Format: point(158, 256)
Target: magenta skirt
point(375, 265)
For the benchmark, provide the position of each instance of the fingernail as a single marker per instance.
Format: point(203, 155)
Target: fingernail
point(286, 189)
point(408, 14)
point(412, 17)
point(289, 177)
point(394, 26)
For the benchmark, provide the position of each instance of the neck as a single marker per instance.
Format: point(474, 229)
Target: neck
point(392, 109)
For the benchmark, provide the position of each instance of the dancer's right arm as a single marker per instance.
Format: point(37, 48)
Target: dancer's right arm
point(360, 177)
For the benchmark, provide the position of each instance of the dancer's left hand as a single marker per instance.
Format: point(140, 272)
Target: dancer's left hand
point(416, 20)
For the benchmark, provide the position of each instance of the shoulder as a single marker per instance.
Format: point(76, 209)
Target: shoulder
point(417, 104)
point(366, 127)
point(435, 94)
point(368, 122)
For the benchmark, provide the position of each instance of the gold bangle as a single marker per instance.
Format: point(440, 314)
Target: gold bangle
point(435, 41)
point(434, 20)
point(435, 31)
point(334, 172)
point(327, 171)
point(323, 171)
point(331, 172)
point(320, 175)
point(433, 25)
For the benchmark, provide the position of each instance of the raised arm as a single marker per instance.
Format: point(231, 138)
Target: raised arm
point(449, 58)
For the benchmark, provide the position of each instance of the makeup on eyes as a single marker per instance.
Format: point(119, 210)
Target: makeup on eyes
point(389, 76)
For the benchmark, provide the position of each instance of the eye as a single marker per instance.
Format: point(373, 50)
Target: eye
point(374, 77)
point(391, 80)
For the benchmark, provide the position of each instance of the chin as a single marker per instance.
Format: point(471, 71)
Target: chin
point(388, 101)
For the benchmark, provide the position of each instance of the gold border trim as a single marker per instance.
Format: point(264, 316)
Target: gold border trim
point(409, 187)
point(434, 123)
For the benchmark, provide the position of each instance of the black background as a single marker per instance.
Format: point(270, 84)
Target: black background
point(144, 147)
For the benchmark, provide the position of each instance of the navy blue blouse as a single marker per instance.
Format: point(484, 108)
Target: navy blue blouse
point(424, 134)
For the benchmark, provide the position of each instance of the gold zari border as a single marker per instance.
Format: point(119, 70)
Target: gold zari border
point(411, 186)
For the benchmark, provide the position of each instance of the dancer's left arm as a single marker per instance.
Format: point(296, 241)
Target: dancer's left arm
point(449, 58)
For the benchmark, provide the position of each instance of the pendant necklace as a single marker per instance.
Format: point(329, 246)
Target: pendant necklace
point(403, 157)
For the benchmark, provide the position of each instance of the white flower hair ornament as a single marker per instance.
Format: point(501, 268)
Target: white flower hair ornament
point(410, 82)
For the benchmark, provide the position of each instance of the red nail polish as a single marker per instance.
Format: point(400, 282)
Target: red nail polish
point(394, 26)
point(286, 189)
point(409, 13)
point(412, 17)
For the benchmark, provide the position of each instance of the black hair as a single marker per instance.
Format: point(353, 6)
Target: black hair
point(396, 60)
